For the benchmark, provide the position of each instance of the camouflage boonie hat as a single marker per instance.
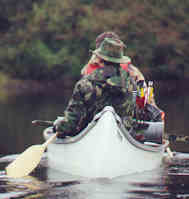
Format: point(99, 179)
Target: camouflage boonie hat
point(111, 50)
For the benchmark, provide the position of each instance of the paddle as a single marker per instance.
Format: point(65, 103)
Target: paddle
point(26, 162)
point(169, 152)
point(42, 123)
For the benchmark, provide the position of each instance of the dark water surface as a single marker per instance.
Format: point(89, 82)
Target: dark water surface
point(169, 181)
point(17, 133)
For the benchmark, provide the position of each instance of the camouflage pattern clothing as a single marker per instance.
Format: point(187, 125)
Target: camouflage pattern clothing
point(134, 72)
point(107, 86)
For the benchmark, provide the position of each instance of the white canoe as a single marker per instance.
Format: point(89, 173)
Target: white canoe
point(104, 149)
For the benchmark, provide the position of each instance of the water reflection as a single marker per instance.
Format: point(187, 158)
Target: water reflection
point(17, 133)
point(169, 181)
point(177, 111)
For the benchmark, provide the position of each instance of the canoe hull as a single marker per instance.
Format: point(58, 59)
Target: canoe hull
point(104, 151)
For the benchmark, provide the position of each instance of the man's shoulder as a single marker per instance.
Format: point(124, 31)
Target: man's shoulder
point(134, 68)
point(101, 74)
point(84, 80)
point(84, 84)
point(135, 72)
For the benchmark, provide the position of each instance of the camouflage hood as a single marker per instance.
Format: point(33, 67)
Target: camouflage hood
point(111, 76)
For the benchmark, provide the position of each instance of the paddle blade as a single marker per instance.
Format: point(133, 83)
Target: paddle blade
point(26, 162)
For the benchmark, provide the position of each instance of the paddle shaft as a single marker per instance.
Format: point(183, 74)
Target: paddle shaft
point(51, 139)
point(42, 123)
point(169, 152)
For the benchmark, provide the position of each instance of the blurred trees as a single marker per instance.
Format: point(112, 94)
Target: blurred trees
point(48, 39)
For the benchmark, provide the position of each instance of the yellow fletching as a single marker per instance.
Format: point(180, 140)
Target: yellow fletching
point(142, 92)
point(151, 93)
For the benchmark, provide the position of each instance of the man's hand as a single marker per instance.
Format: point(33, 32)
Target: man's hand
point(57, 127)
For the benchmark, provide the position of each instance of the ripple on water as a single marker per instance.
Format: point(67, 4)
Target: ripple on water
point(169, 181)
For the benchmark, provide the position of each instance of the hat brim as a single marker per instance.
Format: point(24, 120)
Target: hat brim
point(122, 60)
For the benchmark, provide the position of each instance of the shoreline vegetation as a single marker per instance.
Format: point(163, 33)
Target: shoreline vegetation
point(45, 40)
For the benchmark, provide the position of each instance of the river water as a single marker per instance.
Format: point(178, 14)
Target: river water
point(17, 133)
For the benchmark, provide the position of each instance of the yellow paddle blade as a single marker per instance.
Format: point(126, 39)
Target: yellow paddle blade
point(26, 162)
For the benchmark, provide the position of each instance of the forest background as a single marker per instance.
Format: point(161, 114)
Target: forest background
point(49, 40)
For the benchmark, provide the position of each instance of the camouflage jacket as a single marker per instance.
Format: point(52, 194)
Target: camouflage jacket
point(134, 72)
point(107, 86)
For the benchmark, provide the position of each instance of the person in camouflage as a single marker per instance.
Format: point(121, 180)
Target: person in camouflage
point(94, 62)
point(109, 85)
point(145, 110)
point(134, 71)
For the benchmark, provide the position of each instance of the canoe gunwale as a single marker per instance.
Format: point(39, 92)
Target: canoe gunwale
point(156, 148)
point(126, 134)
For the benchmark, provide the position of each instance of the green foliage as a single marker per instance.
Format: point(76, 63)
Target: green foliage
point(45, 39)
